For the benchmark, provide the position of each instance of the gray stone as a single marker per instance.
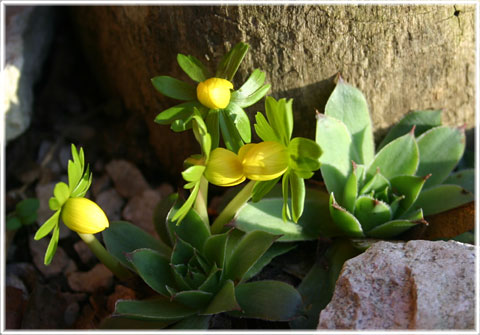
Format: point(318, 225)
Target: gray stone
point(127, 178)
point(83, 251)
point(139, 210)
point(413, 285)
point(111, 203)
point(61, 263)
point(97, 278)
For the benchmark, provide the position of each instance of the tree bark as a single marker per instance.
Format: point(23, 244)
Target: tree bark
point(402, 57)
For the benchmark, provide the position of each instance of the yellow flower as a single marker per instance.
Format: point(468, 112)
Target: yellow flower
point(263, 161)
point(224, 168)
point(84, 216)
point(214, 93)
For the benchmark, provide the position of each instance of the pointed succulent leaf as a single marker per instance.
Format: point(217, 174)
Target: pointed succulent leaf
point(335, 140)
point(153, 268)
point(376, 183)
point(440, 151)
point(395, 203)
point(350, 192)
point(264, 130)
point(399, 157)
point(52, 246)
point(280, 117)
point(275, 250)
point(153, 309)
point(247, 252)
point(392, 228)
point(241, 121)
point(304, 154)
point(215, 248)
point(193, 67)
point(262, 188)
point(231, 137)
point(371, 212)
point(416, 215)
point(268, 300)
point(160, 219)
point(179, 272)
point(174, 88)
point(347, 104)
point(47, 227)
point(464, 178)
point(195, 299)
point(182, 252)
point(213, 125)
point(442, 198)
point(224, 300)
point(422, 120)
point(193, 322)
point(123, 237)
point(212, 281)
point(344, 219)
point(179, 112)
point(230, 62)
point(408, 186)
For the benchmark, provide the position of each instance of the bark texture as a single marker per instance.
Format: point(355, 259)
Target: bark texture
point(402, 57)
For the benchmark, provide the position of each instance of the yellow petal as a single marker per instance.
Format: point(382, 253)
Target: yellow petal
point(264, 160)
point(224, 168)
point(84, 216)
point(214, 93)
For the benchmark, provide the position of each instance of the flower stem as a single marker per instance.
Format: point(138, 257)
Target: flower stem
point(200, 205)
point(233, 206)
point(104, 256)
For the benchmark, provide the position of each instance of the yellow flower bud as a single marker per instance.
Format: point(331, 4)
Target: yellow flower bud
point(264, 160)
point(83, 216)
point(214, 93)
point(224, 168)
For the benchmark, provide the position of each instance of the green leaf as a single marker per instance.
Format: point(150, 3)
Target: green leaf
point(61, 192)
point(285, 208)
point(182, 252)
point(123, 237)
point(376, 184)
point(74, 174)
point(179, 272)
point(347, 104)
point(193, 322)
point(250, 248)
point(174, 88)
point(304, 154)
point(262, 188)
point(275, 250)
point(442, 198)
point(440, 151)
point(195, 299)
point(212, 122)
point(153, 309)
point(264, 130)
point(391, 228)
point(224, 300)
point(241, 121)
point(27, 207)
point(397, 158)
point(350, 192)
point(193, 173)
point(280, 117)
point(344, 219)
point(53, 204)
point(83, 185)
point(52, 246)
point(212, 281)
point(422, 120)
point(193, 68)
point(231, 137)
point(340, 251)
point(251, 99)
point(154, 269)
point(268, 300)
point(160, 221)
point(408, 186)
point(181, 125)
point(201, 135)
point(464, 178)
point(13, 223)
point(297, 187)
point(371, 212)
point(47, 227)
point(186, 208)
point(335, 140)
point(252, 90)
point(215, 248)
point(182, 111)
point(229, 64)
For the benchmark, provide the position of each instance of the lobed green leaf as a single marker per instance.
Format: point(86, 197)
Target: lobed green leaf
point(193, 67)
point(241, 121)
point(182, 111)
point(230, 133)
point(229, 64)
point(280, 117)
point(52, 246)
point(174, 88)
point(297, 188)
point(304, 154)
point(262, 188)
point(264, 130)
point(212, 121)
point(47, 227)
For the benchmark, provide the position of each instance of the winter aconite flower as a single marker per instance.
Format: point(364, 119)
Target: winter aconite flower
point(83, 216)
point(224, 168)
point(214, 93)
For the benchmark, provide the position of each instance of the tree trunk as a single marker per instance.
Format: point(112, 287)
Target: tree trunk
point(402, 57)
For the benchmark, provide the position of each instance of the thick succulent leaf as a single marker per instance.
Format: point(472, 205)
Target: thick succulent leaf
point(442, 198)
point(350, 192)
point(52, 246)
point(275, 250)
point(231, 137)
point(232, 242)
point(247, 252)
point(408, 186)
point(224, 300)
point(160, 221)
point(422, 120)
point(264, 130)
point(262, 188)
point(392, 228)
point(123, 237)
point(304, 154)
point(336, 142)
point(153, 268)
point(230, 62)
point(347, 104)
point(174, 88)
point(193, 322)
point(345, 220)
point(212, 281)
point(397, 158)
point(280, 117)
point(268, 300)
point(297, 188)
point(179, 272)
point(440, 151)
point(241, 121)
point(153, 309)
point(371, 212)
point(182, 252)
point(193, 67)
point(182, 111)
point(213, 125)
point(47, 227)
point(195, 299)
point(464, 178)
point(264, 215)
point(377, 183)
point(121, 322)
point(215, 248)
